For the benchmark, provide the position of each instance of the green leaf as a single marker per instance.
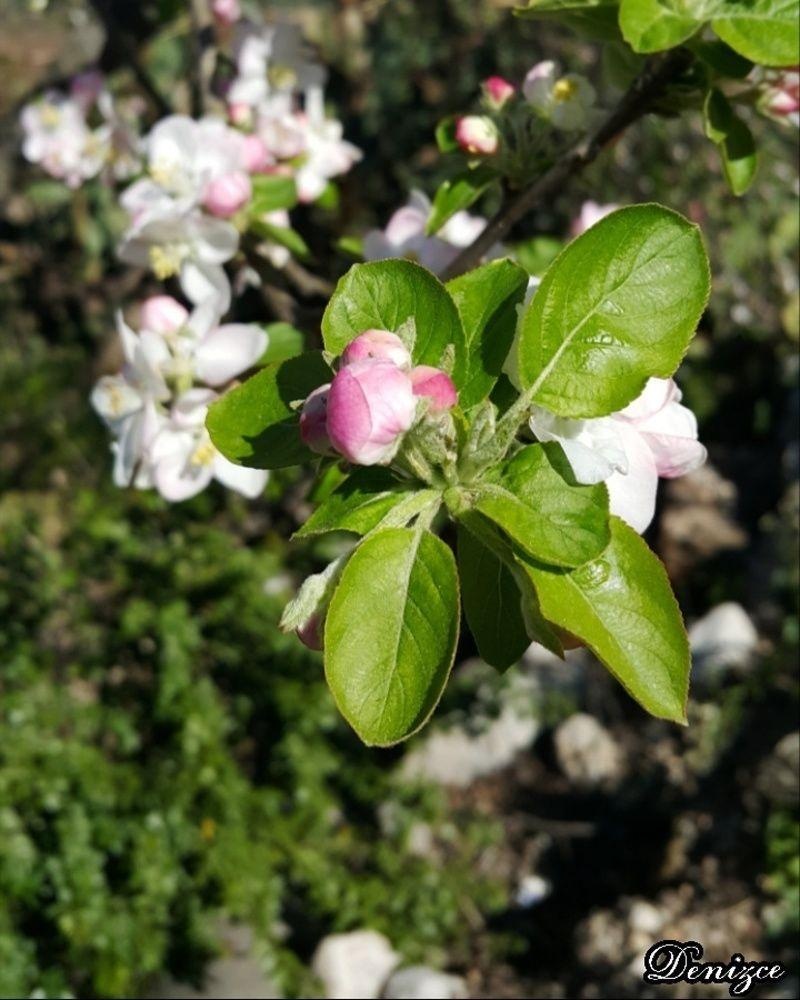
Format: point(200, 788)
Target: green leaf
point(282, 235)
point(764, 31)
point(721, 58)
point(536, 501)
point(653, 25)
point(622, 607)
point(537, 253)
point(313, 597)
point(383, 295)
point(492, 603)
point(391, 632)
point(487, 300)
point(593, 18)
point(271, 192)
point(255, 424)
point(618, 305)
point(446, 135)
point(456, 194)
point(285, 341)
point(366, 499)
point(737, 147)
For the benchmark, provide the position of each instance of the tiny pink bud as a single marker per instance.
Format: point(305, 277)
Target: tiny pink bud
point(436, 385)
point(314, 421)
point(782, 96)
point(226, 12)
point(240, 114)
point(256, 157)
point(162, 314)
point(377, 345)
point(370, 406)
point(311, 633)
point(497, 91)
point(477, 134)
point(225, 195)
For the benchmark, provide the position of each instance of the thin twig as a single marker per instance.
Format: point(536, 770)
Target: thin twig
point(307, 283)
point(124, 45)
point(196, 47)
point(645, 90)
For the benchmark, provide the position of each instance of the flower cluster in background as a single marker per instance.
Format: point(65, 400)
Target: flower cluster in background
point(192, 190)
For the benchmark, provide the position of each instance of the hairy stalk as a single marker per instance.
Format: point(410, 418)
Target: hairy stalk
point(646, 89)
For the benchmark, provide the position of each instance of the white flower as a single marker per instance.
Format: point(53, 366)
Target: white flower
point(191, 245)
point(59, 140)
point(205, 351)
point(404, 236)
point(653, 436)
point(327, 154)
point(271, 60)
point(564, 101)
point(184, 459)
point(591, 212)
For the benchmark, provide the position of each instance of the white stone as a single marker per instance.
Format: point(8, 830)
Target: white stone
point(418, 982)
point(725, 638)
point(354, 965)
point(587, 753)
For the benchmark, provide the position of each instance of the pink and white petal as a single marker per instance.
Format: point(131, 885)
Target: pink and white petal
point(114, 399)
point(657, 393)
point(675, 456)
point(190, 409)
point(178, 480)
point(228, 351)
point(215, 240)
point(249, 482)
point(588, 464)
point(406, 224)
point(633, 495)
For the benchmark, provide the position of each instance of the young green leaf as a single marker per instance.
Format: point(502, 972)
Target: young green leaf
point(283, 235)
point(284, 341)
point(653, 25)
point(255, 424)
point(622, 607)
point(492, 603)
point(737, 147)
point(456, 194)
point(271, 192)
point(593, 18)
point(364, 500)
point(391, 632)
point(446, 135)
point(536, 501)
point(383, 295)
point(487, 300)
point(618, 305)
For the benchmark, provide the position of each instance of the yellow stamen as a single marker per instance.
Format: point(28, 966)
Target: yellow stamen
point(166, 260)
point(564, 89)
point(282, 77)
point(50, 115)
point(203, 454)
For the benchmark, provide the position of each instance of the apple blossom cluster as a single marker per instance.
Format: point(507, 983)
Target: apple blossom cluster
point(373, 400)
point(563, 101)
point(82, 133)
point(155, 408)
point(192, 190)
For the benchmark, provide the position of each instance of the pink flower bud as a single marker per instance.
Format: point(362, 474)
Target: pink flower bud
point(226, 12)
point(314, 421)
point(225, 195)
point(782, 96)
point(240, 114)
point(162, 314)
point(477, 134)
point(377, 345)
point(370, 406)
point(497, 91)
point(256, 157)
point(311, 633)
point(436, 385)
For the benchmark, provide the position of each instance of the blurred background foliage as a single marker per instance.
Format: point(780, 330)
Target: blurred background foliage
point(167, 757)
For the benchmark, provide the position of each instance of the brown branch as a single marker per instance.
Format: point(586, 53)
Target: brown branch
point(645, 90)
point(307, 283)
point(199, 38)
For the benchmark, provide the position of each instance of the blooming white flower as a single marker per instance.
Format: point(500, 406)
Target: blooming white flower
point(191, 245)
point(653, 436)
point(59, 140)
point(564, 101)
point(184, 459)
point(327, 154)
point(404, 236)
point(271, 60)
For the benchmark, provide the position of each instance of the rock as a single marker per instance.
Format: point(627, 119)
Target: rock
point(779, 775)
point(532, 889)
point(456, 757)
point(418, 982)
point(587, 753)
point(354, 965)
point(724, 639)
